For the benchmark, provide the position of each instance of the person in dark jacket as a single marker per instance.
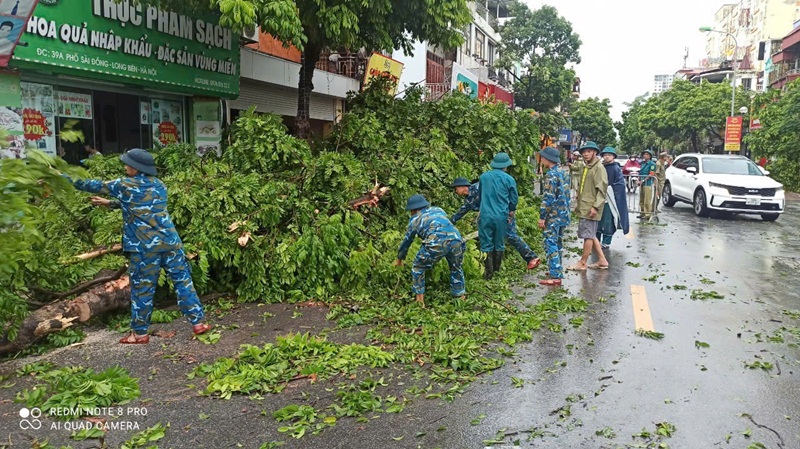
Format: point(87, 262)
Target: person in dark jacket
point(615, 212)
point(499, 197)
point(473, 203)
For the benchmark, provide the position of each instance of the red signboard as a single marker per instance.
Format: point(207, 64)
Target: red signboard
point(755, 124)
point(733, 134)
point(168, 133)
point(14, 15)
point(34, 124)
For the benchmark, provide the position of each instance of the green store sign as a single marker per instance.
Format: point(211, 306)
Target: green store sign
point(132, 43)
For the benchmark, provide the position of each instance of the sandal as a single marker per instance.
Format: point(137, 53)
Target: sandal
point(576, 268)
point(134, 339)
point(534, 263)
point(550, 282)
point(597, 266)
point(201, 328)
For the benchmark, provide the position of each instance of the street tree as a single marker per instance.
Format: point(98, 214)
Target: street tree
point(532, 36)
point(592, 118)
point(634, 137)
point(315, 25)
point(544, 43)
point(779, 136)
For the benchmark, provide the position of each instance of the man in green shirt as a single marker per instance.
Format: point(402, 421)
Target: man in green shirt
point(591, 200)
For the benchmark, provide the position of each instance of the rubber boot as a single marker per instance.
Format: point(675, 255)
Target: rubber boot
point(498, 260)
point(488, 266)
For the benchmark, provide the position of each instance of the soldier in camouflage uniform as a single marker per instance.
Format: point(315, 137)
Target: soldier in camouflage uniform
point(150, 239)
point(440, 240)
point(554, 214)
point(473, 203)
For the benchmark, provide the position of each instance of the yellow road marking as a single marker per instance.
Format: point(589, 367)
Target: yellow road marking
point(641, 310)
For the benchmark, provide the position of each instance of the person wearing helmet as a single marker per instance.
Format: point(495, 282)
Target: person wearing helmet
point(150, 239)
point(615, 212)
point(647, 180)
point(440, 240)
point(575, 171)
point(472, 202)
point(591, 200)
point(554, 214)
point(499, 197)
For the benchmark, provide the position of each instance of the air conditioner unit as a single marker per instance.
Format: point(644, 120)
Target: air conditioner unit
point(250, 34)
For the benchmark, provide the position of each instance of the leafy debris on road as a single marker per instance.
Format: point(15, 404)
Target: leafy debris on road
point(758, 364)
point(701, 344)
point(704, 295)
point(652, 335)
point(607, 432)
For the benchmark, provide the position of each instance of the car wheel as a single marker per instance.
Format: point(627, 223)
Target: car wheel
point(700, 208)
point(666, 196)
point(770, 217)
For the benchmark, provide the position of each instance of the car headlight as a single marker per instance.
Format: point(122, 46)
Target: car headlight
point(717, 189)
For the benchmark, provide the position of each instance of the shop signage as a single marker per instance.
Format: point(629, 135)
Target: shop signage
point(207, 126)
point(167, 119)
point(136, 43)
point(733, 134)
point(464, 81)
point(382, 66)
point(167, 133)
point(755, 124)
point(34, 124)
point(74, 105)
point(14, 15)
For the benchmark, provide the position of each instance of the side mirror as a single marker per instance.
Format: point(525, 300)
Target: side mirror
point(692, 170)
point(763, 170)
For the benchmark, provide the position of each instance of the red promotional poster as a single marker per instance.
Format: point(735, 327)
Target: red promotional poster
point(34, 124)
point(14, 15)
point(733, 134)
point(168, 133)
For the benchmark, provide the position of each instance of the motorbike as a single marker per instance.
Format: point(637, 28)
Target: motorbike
point(631, 172)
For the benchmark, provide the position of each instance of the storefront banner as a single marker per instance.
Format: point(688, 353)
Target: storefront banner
point(14, 14)
point(207, 127)
point(11, 117)
point(167, 117)
point(385, 67)
point(733, 134)
point(464, 81)
point(38, 117)
point(74, 105)
point(141, 44)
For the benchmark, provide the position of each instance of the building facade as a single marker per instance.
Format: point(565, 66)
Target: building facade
point(271, 72)
point(468, 68)
point(662, 83)
point(108, 76)
point(785, 63)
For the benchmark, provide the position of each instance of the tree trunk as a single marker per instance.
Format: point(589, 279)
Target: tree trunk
point(308, 63)
point(694, 142)
point(61, 315)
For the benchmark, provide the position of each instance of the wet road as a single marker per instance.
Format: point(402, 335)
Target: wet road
point(598, 385)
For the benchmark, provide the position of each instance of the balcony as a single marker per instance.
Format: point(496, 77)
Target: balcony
point(350, 65)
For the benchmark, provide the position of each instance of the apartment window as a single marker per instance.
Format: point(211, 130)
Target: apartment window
point(480, 44)
point(746, 84)
point(491, 53)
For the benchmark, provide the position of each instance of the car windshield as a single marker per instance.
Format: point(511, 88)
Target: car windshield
point(720, 166)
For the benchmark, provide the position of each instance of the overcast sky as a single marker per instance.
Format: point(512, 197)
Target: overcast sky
point(627, 42)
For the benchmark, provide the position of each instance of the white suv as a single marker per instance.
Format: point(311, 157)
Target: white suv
point(726, 183)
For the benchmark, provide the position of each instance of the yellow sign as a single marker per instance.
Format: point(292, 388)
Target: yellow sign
point(382, 66)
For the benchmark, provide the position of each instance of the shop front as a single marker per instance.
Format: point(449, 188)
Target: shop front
point(105, 77)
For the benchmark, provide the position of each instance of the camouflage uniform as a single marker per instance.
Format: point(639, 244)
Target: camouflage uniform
point(150, 238)
point(440, 239)
point(555, 213)
point(473, 203)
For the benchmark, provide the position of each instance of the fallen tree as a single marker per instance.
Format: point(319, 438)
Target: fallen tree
point(111, 295)
point(273, 218)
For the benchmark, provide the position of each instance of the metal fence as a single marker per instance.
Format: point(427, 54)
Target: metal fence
point(642, 198)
